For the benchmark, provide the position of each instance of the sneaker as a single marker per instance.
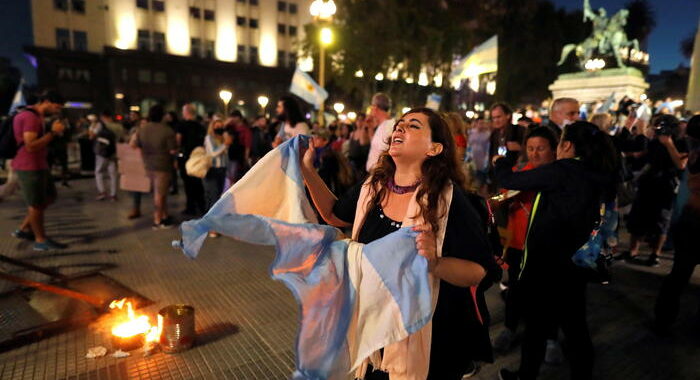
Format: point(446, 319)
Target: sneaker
point(112, 198)
point(164, 224)
point(134, 214)
point(100, 197)
point(48, 245)
point(26, 235)
point(503, 341)
point(471, 370)
point(553, 355)
point(505, 374)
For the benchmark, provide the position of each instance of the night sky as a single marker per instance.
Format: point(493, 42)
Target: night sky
point(675, 20)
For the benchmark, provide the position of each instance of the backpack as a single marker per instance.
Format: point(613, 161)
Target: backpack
point(105, 142)
point(8, 144)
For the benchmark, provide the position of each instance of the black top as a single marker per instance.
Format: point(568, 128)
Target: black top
point(457, 332)
point(499, 138)
point(568, 208)
point(661, 165)
point(192, 134)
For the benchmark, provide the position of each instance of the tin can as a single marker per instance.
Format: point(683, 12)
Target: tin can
point(176, 326)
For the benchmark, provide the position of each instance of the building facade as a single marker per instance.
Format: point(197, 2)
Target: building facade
point(123, 54)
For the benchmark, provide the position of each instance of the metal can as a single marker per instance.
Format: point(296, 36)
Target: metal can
point(176, 326)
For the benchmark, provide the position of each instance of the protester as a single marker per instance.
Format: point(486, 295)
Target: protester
point(478, 155)
point(566, 208)
point(261, 141)
point(32, 168)
point(563, 112)
point(158, 145)
point(412, 185)
point(378, 127)
point(217, 145)
point(457, 127)
point(190, 134)
point(331, 165)
point(687, 248)
point(292, 121)
point(358, 146)
point(58, 150)
point(172, 121)
point(239, 149)
point(651, 211)
point(541, 149)
point(603, 121)
point(105, 134)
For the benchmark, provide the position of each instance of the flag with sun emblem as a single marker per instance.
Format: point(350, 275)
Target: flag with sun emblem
point(304, 87)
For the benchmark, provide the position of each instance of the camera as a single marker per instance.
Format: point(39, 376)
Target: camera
point(666, 125)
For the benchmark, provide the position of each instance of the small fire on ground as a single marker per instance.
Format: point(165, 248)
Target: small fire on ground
point(129, 324)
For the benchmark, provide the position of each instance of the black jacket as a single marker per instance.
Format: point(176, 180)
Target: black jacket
point(568, 208)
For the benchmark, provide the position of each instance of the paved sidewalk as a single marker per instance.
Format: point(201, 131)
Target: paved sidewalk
point(246, 322)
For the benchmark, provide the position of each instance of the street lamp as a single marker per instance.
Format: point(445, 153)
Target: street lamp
point(225, 96)
point(322, 12)
point(339, 107)
point(263, 100)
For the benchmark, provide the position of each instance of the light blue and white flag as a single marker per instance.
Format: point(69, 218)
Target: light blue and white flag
point(18, 100)
point(306, 88)
point(354, 298)
point(607, 105)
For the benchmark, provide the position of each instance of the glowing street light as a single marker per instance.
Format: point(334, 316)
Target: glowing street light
point(352, 116)
point(326, 36)
point(263, 100)
point(322, 9)
point(339, 107)
point(225, 96)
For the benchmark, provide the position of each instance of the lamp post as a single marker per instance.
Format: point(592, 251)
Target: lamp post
point(225, 96)
point(338, 107)
point(322, 12)
point(263, 100)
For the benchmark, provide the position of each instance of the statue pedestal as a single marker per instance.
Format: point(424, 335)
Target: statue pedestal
point(589, 87)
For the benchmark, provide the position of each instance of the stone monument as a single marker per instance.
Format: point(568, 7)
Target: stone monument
point(692, 102)
point(607, 45)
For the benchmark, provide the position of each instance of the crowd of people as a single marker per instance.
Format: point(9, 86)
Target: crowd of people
point(488, 195)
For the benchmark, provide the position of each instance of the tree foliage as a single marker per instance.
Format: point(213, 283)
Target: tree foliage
point(688, 44)
point(641, 20)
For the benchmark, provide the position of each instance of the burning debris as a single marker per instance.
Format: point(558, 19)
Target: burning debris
point(131, 331)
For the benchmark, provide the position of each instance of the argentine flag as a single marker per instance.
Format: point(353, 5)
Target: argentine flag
point(354, 298)
point(304, 87)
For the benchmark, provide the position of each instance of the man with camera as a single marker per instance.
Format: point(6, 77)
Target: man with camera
point(652, 208)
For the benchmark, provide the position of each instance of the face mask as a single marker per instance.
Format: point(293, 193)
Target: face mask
point(219, 131)
point(566, 122)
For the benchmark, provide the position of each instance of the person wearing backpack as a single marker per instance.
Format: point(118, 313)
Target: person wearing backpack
point(105, 135)
point(32, 167)
point(564, 213)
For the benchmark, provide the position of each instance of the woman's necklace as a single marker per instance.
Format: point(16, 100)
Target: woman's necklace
point(402, 189)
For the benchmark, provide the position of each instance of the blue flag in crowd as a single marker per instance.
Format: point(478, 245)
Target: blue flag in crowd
point(354, 298)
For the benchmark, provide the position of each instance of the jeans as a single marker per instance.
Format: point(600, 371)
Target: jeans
point(213, 185)
point(194, 192)
point(103, 164)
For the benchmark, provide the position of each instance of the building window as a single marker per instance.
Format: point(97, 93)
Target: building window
point(160, 77)
point(253, 23)
point(60, 5)
point(62, 39)
point(253, 2)
point(241, 54)
point(293, 8)
point(281, 58)
point(209, 15)
point(292, 30)
point(254, 55)
point(195, 12)
point(282, 6)
point(158, 5)
point(281, 28)
point(144, 40)
point(143, 4)
point(209, 50)
point(195, 47)
point(144, 76)
point(159, 42)
point(79, 40)
point(78, 6)
point(240, 21)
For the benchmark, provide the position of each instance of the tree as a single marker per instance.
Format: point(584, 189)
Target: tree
point(641, 20)
point(687, 45)
point(9, 80)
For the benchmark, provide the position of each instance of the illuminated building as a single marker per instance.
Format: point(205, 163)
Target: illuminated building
point(166, 51)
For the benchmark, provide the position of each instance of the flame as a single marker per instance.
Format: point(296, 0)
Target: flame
point(133, 324)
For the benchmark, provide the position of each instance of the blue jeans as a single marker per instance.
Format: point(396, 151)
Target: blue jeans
point(213, 185)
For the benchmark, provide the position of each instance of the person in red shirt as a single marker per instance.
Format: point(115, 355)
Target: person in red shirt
point(541, 149)
point(32, 167)
point(238, 131)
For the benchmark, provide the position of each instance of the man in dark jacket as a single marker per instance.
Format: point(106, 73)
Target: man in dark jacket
point(190, 134)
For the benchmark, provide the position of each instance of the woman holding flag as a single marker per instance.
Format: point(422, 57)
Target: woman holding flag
point(418, 182)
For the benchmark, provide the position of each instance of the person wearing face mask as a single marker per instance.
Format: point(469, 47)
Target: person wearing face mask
point(418, 182)
point(566, 208)
point(216, 144)
point(563, 112)
point(541, 149)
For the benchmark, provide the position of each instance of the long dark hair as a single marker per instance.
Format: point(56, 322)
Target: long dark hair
point(437, 171)
point(593, 146)
point(292, 111)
